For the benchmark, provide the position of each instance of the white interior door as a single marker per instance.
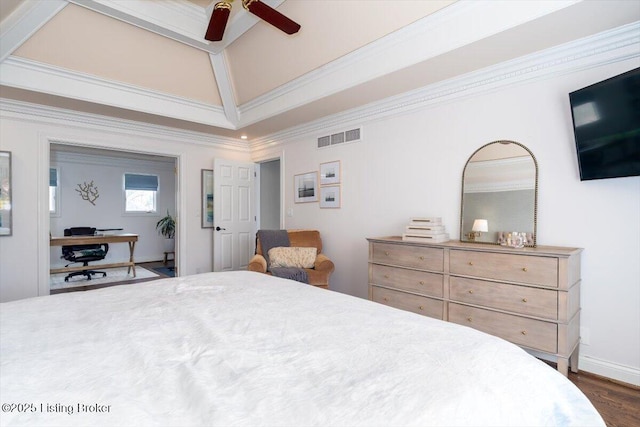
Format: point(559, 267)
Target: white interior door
point(234, 214)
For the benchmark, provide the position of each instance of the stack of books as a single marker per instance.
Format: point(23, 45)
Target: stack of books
point(425, 229)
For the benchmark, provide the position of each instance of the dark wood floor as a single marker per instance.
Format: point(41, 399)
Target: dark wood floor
point(619, 404)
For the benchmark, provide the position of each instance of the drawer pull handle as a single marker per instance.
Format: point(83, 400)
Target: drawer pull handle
point(386, 253)
point(524, 332)
point(470, 263)
point(421, 282)
point(524, 300)
point(524, 269)
point(421, 258)
point(469, 319)
point(470, 291)
point(421, 307)
point(385, 298)
point(386, 276)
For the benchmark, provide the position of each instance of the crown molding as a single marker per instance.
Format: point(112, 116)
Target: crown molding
point(31, 75)
point(403, 48)
point(44, 114)
point(607, 47)
point(28, 18)
point(184, 20)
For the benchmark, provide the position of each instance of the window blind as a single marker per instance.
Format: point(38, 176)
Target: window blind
point(53, 177)
point(140, 182)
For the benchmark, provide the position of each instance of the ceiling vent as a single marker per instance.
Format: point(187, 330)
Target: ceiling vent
point(339, 138)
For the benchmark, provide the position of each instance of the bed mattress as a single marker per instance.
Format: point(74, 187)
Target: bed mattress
point(248, 349)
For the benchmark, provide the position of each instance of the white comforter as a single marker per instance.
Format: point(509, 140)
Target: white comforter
point(247, 349)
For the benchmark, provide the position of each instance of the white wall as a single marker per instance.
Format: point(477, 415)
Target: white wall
point(27, 132)
point(411, 165)
point(108, 211)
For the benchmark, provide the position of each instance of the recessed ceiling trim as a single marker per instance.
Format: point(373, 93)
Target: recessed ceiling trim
point(225, 87)
point(611, 46)
point(403, 48)
point(179, 20)
point(46, 114)
point(24, 22)
point(188, 25)
point(26, 74)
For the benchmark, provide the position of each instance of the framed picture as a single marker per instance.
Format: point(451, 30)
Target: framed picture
point(305, 187)
point(330, 173)
point(5, 193)
point(207, 198)
point(330, 196)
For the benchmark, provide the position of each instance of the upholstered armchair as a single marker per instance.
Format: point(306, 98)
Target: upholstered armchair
point(322, 267)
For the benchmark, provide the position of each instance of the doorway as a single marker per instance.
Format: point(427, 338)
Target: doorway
point(73, 167)
point(270, 199)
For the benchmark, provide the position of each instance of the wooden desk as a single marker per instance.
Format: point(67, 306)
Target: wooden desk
point(93, 240)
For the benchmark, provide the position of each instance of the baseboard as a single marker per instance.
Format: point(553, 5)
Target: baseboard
point(625, 374)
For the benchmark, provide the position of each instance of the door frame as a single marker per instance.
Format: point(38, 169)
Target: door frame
point(44, 227)
point(281, 190)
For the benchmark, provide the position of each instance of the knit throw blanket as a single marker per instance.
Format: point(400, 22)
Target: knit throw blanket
point(279, 238)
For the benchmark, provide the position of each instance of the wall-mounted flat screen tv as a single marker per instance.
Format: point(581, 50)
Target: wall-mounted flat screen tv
point(606, 126)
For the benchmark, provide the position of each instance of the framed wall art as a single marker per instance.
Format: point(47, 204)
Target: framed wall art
point(305, 187)
point(330, 197)
point(207, 198)
point(6, 225)
point(330, 173)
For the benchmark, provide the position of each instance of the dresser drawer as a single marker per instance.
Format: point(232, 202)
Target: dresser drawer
point(535, 334)
point(409, 256)
point(518, 299)
point(409, 302)
point(410, 280)
point(535, 270)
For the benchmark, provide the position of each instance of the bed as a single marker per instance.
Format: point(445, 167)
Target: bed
point(248, 349)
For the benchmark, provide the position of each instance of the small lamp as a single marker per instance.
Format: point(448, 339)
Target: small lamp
point(479, 226)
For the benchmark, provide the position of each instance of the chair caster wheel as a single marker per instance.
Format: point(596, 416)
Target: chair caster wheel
point(104, 274)
point(89, 278)
point(66, 279)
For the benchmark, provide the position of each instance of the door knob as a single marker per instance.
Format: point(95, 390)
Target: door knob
point(220, 228)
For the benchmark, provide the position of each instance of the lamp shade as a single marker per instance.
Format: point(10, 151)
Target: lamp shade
point(480, 225)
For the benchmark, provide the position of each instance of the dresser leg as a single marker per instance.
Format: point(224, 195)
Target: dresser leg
point(563, 366)
point(573, 359)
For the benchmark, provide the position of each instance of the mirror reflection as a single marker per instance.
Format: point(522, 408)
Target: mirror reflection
point(499, 195)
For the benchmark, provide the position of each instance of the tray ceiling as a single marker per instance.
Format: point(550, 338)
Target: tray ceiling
point(147, 60)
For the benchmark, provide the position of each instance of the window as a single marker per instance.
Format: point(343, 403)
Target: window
point(54, 192)
point(140, 192)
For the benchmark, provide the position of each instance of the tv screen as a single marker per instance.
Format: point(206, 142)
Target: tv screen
point(606, 126)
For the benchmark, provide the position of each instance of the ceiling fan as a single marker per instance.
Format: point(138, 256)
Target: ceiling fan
point(222, 9)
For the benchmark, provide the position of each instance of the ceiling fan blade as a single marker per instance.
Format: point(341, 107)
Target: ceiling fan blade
point(272, 16)
point(218, 21)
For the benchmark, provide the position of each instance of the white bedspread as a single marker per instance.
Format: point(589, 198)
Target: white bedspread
point(247, 349)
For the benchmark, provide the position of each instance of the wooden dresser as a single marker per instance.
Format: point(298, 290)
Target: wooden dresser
point(529, 296)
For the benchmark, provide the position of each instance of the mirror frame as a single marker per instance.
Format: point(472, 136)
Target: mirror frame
point(535, 202)
point(6, 190)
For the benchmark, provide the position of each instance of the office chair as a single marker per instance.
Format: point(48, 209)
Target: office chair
point(83, 253)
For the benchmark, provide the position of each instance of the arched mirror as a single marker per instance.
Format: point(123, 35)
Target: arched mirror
point(500, 195)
